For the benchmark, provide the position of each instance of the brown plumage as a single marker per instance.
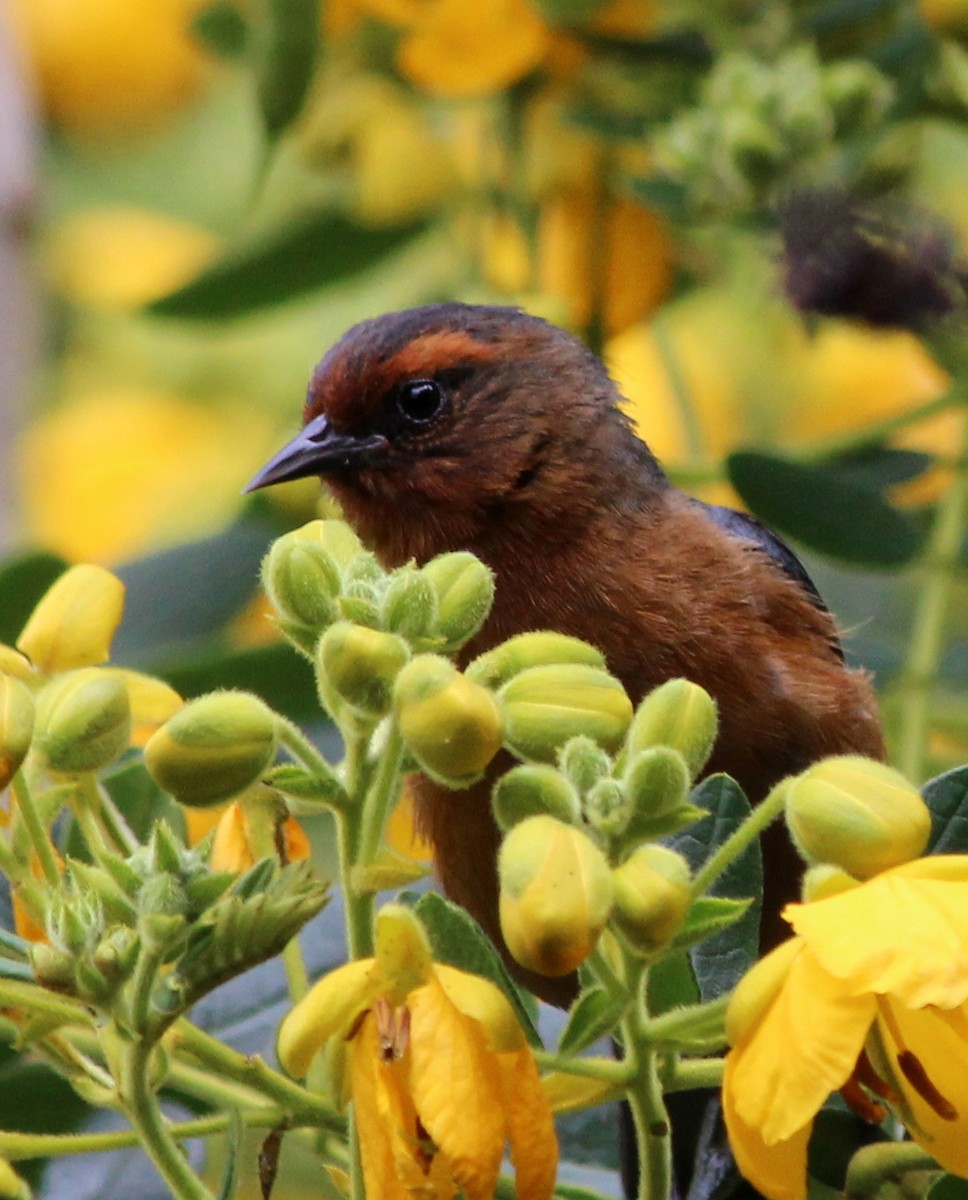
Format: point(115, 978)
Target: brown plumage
point(469, 427)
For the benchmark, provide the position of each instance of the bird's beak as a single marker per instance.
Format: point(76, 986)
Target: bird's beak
point(316, 449)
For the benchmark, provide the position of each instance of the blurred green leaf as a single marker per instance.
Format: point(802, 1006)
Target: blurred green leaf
point(282, 678)
point(233, 1148)
point(222, 29)
point(947, 798)
point(302, 256)
point(35, 1099)
point(457, 939)
point(23, 580)
point(672, 982)
point(827, 512)
point(949, 1187)
point(881, 466)
point(596, 1013)
point(720, 962)
point(287, 45)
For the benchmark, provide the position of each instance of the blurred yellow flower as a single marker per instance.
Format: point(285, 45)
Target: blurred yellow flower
point(441, 1074)
point(112, 66)
point(110, 473)
point(871, 997)
point(74, 621)
point(24, 924)
point(122, 257)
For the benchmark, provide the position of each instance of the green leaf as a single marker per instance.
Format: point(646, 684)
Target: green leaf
point(707, 916)
point(949, 1187)
point(23, 580)
point(595, 1014)
point(947, 798)
point(457, 939)
point(721, 961)
point(672, 982)
point(881, 466)
point(298, 258)
point(283, 679)
point(287, 45)
point(824, 510)
point(222, 29)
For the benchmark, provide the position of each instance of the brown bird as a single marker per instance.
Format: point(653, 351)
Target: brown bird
point(485, 429)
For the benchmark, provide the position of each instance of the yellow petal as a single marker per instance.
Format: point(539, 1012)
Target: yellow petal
point(456, 1086)
point(74, 622)
point(152, 702)
point(939, 1040)
point(758, 989)
point(230, 846)
point(377, 1113)
point(12, 662)
point(779, 1170)
point(485, 1003)
point(570, 1093)
point(804, 1047)
point(327, 1009)
point(402, 952)
point(531, 1128)
point(896, 934)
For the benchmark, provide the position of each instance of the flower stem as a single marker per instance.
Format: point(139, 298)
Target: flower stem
point(653, 1135)
point(941, 561)
point(349, 826)
point(381, 796)
point(684, 1074)
point(39, 839)
point(873, 1166)
point(763, 815)
point(112, 821)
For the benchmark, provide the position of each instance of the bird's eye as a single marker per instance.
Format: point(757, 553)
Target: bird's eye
point(420, 400)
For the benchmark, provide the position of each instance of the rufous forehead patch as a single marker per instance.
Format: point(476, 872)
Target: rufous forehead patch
point(348, 390)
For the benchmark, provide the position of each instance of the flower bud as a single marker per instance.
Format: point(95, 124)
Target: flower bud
point(16, 726)
point(858, 814)
point(753, 146)
point(12, 662)
point(53, 967)
point(607, 808)
point(83, 720)
point(858, 94)
point(556, 894)
point(464, 587)
point(532, 790)
point(451, 726)
point(545, 706)
point(652, 896)
point(823, 880)
point(584, 763)
point(678, 714)
point(539, 649)
point(657, 784)
point(213, 748)
point(409, 605)
point(74, 621)
point(302, 582)
point(360, 665)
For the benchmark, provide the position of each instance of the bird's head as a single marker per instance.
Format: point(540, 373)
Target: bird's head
point(430, 423)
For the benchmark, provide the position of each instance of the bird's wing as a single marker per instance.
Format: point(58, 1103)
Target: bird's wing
point(742, 525)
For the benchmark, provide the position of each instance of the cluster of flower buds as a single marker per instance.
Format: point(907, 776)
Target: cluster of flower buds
point(580, 849)
point(758, 121)
point(852, 818)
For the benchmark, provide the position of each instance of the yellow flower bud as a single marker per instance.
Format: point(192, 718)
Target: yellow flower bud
point(451, 726)
point(12, 662)
point(465, 592)
point(681, 715)
point(545, 706)
point(538, 649)
point(556, 894)
point(335, 537)
point(402, 952)
point(83, 720)
point(74, 622)
point(823, 880)
point(531, 790)
point(302, 582)
point(409, 605)
point(360, 664)
point(16, 726)
point(212, 749)
point(858, 814)
point(651, 896)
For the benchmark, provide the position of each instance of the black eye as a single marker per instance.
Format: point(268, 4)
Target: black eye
point(420, 400)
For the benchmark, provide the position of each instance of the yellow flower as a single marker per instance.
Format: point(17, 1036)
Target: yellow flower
point(870, 998)
point(232, 846)
point(75, 620)
point(440, 1073)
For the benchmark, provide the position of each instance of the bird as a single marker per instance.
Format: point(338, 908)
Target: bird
point(480, 427)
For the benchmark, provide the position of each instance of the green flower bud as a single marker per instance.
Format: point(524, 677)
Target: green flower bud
point(652, 896)
point(754, 147)
point(302, 582)
point(545, 706)
point(532, 790)
point(83, 720)
point(858, 814)
point(584, 762)
point(556, 894)
point(679, 714)
point(464, 587)
point(52, 966)
point(162, 905)
point(409, 604)
point(116, 953)
point(213, 748)
point(607, 808)
point(539, 649)
point(657, 784)
point(336, 538)
point(858, 94)
point(360, 665)
point(451, 726)
point(16, 726)
point(823, 880)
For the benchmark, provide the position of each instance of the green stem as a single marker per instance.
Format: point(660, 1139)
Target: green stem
point(14, 994)
point(143, 979)
point(873, 1166)
point(297, 977)
point(941, 559)
point(608, 977)
point(349, 826)
point(653, 1135)
point(142, 1109)
point(39, 839)
point(86, 805)
point(381, 796)
point(109, 816)
point(605, 1070)
point(763, 815)
point(684, 1074)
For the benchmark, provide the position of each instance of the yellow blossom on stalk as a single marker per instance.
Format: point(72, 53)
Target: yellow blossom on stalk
point(870, 998)
point(232, 845)
point(74, 622)
point(440, 1073)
